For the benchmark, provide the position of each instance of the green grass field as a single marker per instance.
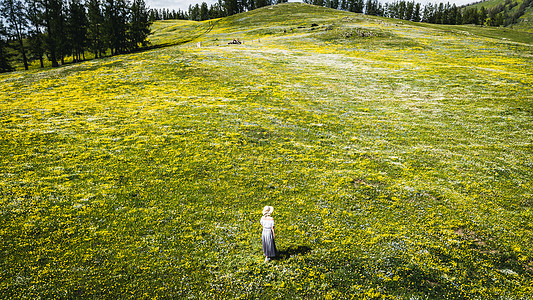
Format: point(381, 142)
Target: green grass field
point(398, 158)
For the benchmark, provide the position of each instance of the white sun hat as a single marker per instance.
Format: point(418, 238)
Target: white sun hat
point(267, 210)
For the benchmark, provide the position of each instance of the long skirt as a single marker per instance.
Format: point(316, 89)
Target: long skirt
point(269, 246)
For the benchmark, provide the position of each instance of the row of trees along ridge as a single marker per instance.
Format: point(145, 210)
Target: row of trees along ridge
point(505, 14)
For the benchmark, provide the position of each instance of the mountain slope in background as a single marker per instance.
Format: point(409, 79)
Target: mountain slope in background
point(296, 18)
point(524, 22)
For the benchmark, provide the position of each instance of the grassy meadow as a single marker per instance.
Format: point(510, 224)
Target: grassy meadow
point(398, 157)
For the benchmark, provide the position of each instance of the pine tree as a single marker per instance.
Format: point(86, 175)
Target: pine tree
point(54, 19)
point(139, 26)
point(416, 14)
point(439, 13)
point(15, 16)
point(454, 15)
point(4, 58)
point(116, 15)
point(222, 10)
point(392, 9)
point(194, 12)
point(77, 29)
point(204, 12)
point(231, 6)
point(95, 29)
point(215, 11)
point(342, 5)
point(483, 15)
point(153, 15)
point(402, 9)
point(470, 16)
point(36, 35)
point(409, 10)
point(429, 13)
point(258, 3)
point(368, 8)
point(359, 6)
point(373, 8)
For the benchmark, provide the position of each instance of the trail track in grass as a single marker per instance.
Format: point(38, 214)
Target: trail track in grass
point(397, 156)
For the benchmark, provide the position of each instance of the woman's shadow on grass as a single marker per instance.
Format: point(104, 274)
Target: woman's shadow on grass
point(292, 250)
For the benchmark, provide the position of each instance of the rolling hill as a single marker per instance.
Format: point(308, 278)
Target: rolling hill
point(397, 156)
point(524, 23)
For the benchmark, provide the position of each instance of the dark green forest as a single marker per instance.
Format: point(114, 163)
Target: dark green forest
point(39, 30)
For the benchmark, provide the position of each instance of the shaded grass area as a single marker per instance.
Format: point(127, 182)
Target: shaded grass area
point(398, 163)
point(501, 33)
point(520, 35)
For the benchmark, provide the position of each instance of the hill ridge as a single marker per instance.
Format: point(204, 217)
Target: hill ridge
point(283, 19)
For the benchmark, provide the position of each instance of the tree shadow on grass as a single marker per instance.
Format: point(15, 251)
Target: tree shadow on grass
point(292, 250)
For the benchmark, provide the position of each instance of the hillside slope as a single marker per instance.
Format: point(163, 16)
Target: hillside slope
point(397, 156)
point(524, 23)
point(297, 18)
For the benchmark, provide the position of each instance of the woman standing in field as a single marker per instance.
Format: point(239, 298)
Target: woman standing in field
point(269, 246)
